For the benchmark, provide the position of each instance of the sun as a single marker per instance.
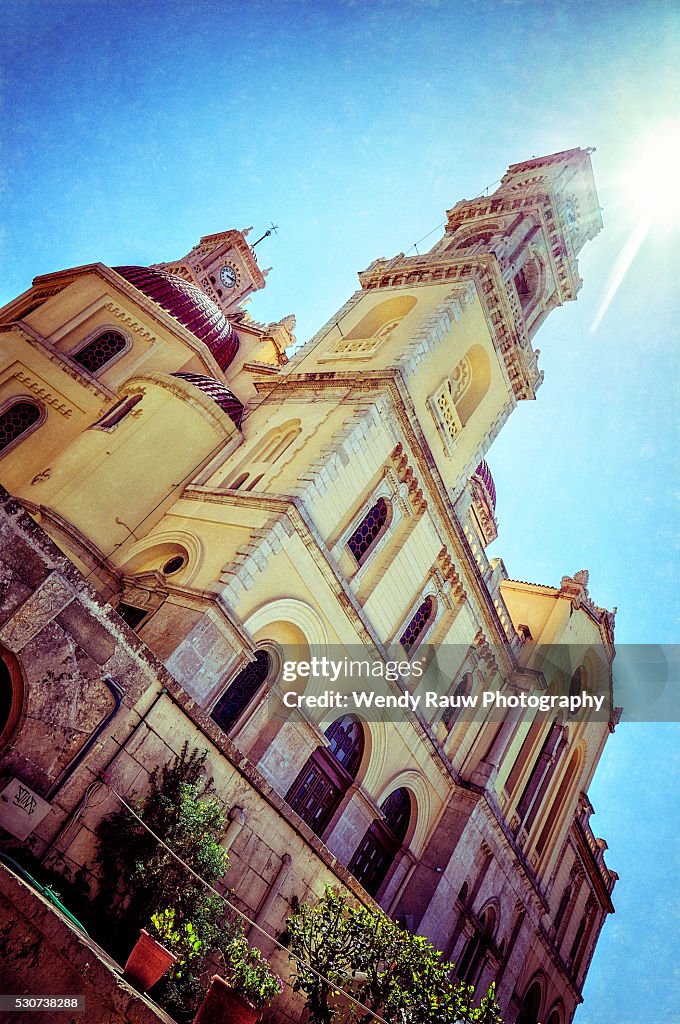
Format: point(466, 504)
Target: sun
point(651, 177)
point(649, 186)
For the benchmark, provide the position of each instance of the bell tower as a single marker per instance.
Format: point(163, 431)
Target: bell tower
point(454, 327)
point(535, 224)
point(224, 266)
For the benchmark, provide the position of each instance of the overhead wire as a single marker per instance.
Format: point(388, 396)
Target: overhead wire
point(253, 924)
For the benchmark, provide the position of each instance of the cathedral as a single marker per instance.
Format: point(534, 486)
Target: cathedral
point(196, 509)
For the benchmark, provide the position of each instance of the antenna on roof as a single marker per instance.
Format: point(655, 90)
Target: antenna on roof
point(274, 228)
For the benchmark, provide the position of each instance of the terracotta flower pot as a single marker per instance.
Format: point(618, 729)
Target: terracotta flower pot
point(147, 962)
point(224, 1006)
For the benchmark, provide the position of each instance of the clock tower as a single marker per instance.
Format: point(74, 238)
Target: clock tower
point(224, 266)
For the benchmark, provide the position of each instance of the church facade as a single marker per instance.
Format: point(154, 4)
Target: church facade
point(190, 509)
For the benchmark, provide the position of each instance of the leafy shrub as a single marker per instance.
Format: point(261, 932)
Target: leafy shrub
point(400, 976)
point(144, 886)
point(250, 974)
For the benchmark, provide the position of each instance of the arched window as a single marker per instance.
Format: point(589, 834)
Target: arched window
point(531, 1005)
point(562, 909)
point(527, 283)
point(19, 417)
point(523, 756)
point(328, 774)
point(541, 775)
point(370, 530)
point(463, 689)
point(276, 442)
point(415, 632)
point(576, 944)
point(264, 454)
point(579, 683)
point(101, 350)
point(560, 801)
point(554, 1017)
point(241, 691)
point(346, 743)
point(117, 413)
point(239, 481)
point(583, 936)
point(383, 839)
point(473, 959)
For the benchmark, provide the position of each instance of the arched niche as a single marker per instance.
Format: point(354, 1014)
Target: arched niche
point(470, 381)
point(382, 317)
point(297, 630)
point(295, 612)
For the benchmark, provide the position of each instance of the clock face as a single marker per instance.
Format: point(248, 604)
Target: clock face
point(570, 213)
point(228, 276)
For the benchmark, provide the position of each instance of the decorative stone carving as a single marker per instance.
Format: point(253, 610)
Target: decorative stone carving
point(43, 394)
point(51, 597)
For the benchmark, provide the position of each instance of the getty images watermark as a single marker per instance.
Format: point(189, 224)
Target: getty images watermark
point(641, 683)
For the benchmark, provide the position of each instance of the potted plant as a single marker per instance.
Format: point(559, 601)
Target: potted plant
point(250, 985)
point(148, 962)
point(166, 943)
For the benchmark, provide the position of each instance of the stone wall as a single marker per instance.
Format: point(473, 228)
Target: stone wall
point(41, 953)
point(95, 699)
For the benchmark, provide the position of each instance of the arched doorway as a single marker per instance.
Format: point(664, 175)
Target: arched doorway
point(11, 696)
point(531, 1005)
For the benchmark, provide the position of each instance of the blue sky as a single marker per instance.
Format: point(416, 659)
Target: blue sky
point(133, 128)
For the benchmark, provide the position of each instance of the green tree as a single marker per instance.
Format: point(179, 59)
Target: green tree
point(399, 976)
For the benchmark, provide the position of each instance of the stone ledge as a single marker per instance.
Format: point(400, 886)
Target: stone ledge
point(40, 950)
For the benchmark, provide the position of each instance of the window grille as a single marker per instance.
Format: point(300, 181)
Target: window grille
point(418, 625)
point(100, 351)
point(346, 743)
point(16, 420)
point(369, 530)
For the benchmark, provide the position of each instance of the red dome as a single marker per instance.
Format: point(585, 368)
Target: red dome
point(188, 304)
point(219, 393)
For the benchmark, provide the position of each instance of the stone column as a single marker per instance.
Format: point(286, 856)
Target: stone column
point(237, 819)
point(263, 910)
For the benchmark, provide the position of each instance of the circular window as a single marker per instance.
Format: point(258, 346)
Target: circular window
point(174, 565)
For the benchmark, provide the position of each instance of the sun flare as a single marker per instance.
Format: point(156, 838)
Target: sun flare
point(651, 177)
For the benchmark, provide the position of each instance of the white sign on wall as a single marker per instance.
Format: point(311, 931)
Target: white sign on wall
point(21, 810)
